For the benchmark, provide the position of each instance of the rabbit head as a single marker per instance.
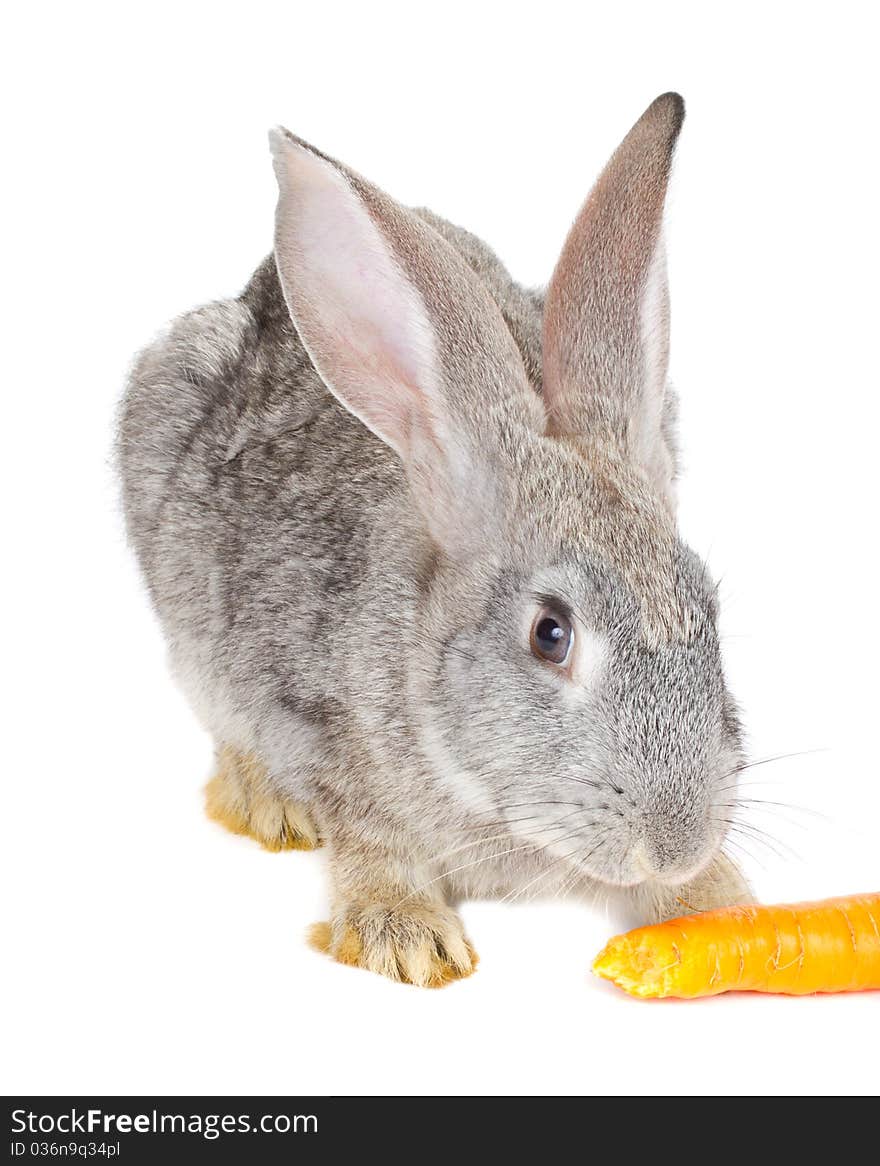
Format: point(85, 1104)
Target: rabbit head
point(564, 654)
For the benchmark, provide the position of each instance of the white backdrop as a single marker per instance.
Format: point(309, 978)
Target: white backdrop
point(146, 949)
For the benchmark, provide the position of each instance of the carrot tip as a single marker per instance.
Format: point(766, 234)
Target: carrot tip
point(632, 967)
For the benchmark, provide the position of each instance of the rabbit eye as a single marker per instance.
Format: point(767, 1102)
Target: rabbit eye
point(552, 636)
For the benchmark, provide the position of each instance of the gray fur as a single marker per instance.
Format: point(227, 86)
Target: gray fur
point(383, 678)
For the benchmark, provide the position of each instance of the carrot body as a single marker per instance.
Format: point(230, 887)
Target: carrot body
point(829, 946)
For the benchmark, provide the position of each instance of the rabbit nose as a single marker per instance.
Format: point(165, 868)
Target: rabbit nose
point(669, 855)
point(642, 862)
point(648, 864)
point(651, 864)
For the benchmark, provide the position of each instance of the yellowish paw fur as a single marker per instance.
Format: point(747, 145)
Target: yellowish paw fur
point(426, 948)
point(240, 798)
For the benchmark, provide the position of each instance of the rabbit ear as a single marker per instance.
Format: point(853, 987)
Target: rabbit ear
point(399, 330)
point(606, 317)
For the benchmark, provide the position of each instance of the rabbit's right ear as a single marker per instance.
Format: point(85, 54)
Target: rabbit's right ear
point(606, 315)
point(401, 332)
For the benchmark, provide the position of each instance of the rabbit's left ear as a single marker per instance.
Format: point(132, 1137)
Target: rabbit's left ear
point(404, 335)
point(606, 316)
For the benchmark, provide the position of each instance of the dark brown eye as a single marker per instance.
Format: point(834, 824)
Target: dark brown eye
point(552, 636)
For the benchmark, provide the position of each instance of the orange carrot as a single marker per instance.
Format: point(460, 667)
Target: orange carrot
point(829, 946)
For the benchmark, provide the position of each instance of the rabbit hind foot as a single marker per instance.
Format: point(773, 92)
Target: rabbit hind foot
point(240, 797)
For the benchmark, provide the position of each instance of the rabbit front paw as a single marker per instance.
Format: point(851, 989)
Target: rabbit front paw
point(424, 945)
point(721, 884)
point(240, 797)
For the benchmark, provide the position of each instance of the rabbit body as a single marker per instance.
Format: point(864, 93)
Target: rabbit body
point(346, 576)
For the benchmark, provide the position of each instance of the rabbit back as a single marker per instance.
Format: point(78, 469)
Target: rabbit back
point(258, 507)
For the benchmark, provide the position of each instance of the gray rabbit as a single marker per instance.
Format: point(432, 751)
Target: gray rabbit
point(410, 531)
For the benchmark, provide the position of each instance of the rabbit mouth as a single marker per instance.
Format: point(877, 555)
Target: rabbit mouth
point(618, 863)
point(642, 862)
point(667, 871)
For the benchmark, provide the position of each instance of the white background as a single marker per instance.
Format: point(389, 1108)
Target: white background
point(147, 950)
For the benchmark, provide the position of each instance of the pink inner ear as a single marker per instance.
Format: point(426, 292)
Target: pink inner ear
point(362, 314)
point(359, 317)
